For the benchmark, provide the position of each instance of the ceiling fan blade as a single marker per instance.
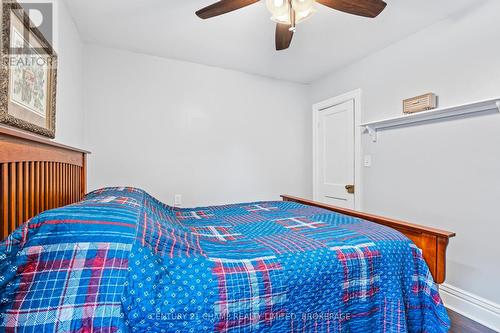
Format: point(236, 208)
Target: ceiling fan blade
point(283, 36)
point(223, 7)
point(366, 8)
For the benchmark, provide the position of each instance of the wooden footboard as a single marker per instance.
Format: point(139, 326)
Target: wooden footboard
point(433, 242)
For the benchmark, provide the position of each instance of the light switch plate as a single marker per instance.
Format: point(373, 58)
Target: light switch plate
point(367, 162)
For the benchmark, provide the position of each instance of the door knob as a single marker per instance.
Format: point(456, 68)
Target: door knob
point(350, 189)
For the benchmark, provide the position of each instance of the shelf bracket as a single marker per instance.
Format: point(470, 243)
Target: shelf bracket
point(372, 132)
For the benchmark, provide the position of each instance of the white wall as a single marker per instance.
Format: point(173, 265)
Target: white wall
point(69, 47)
point(444, 174)
point(212, 135)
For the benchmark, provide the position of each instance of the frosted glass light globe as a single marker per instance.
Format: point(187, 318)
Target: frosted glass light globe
point(280, 10)
point(303, 9)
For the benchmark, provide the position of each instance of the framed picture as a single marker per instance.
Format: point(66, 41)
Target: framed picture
point(28, 74)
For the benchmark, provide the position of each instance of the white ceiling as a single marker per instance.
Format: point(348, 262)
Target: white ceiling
point(244, 40)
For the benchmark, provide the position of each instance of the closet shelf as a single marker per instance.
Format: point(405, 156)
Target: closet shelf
point(442, 113)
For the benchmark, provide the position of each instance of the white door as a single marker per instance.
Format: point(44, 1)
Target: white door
point(335, 153)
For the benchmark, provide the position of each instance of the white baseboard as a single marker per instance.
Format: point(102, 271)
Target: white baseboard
point(481, 310)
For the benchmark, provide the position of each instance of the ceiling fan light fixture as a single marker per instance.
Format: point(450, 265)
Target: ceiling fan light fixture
point(287, 13)
point(280, 10)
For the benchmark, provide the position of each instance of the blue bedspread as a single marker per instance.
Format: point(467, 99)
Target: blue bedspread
point(121, 261)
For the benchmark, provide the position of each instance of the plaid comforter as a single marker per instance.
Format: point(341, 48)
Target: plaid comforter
point(121, 261)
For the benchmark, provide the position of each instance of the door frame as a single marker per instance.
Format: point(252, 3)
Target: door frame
point(354, 95)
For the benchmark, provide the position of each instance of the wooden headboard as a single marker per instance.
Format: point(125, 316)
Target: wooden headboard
point(36, 174)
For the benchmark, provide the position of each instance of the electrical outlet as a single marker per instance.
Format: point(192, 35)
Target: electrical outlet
point(178, 200)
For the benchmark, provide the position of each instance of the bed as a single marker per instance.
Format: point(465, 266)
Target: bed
point(119, 260)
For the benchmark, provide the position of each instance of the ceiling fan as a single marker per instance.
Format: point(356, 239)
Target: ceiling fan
point(288, 13)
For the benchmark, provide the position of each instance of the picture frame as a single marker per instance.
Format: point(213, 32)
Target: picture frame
point(28, 74)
